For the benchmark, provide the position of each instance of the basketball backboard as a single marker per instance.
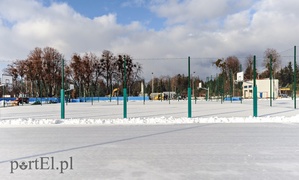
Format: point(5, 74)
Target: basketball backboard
point(6, 79)
point(240, 76)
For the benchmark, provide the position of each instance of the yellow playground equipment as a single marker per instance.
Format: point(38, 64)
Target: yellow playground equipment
point(115, 92)
point(157, 96)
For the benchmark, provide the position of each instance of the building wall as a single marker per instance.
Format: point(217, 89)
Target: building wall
point(263, 88)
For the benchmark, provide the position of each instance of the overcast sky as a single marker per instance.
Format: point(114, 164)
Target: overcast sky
point(159, 34)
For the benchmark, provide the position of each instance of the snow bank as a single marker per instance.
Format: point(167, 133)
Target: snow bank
point(149, 121)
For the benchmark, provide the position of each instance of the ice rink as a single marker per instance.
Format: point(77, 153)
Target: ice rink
point(80, 147)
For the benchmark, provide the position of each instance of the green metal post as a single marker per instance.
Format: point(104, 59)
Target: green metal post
point(221, 88)
point(254, 88)
point(117, 102)
point(143, 91)
point(169, 90)
point(41, 94)
point(67, 97)
point(22, 91)
point(217, 87)
point(231, 85)
point(270, 80)
point(110, 90)
point(62, 91)
point(3, 95)
point(189, 91)
point(295, 78)
point(98, 92)
point(207, 92)
point(195, 95)
point(91, 95)
point(125, 89)
point(241, 86)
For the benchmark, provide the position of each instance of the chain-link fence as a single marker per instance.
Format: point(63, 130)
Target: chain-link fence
point(161, 79)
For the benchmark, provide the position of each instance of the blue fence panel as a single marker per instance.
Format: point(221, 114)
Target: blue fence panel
point(233, 99)
point(79, 99)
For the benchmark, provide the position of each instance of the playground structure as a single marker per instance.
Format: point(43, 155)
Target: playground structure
point(115, 92)
point(156, 96)
point(162, 96)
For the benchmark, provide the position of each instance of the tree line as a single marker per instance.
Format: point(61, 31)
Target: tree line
point(230, 66)
point(39, 75)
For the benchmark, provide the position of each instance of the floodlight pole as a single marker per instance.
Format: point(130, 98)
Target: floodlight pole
point(62, 116)
point(254, 88)
point(189, 90)
point(295, 74)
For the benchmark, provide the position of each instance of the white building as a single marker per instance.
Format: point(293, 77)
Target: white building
point(263, 88)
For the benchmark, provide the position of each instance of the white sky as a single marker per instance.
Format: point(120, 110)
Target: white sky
point(203, 30)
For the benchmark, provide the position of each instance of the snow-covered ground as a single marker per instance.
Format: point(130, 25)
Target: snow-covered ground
point(156, 141)
point(152, 112)
point(185, 151)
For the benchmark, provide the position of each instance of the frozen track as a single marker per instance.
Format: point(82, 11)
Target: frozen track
point(194, 151)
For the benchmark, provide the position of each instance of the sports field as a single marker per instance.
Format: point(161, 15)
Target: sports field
point(156, 141)
point(149, 110)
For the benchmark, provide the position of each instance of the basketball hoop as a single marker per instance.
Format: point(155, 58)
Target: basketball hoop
point(240, 77)
point(6, 79)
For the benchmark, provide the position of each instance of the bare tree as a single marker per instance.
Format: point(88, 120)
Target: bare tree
point(17, 71)
point(108, 62)
point(84, 71)
point(42, 72)
point(88, 70)
point(221, 64)
point(75, 72)
point(248, 74)
point(51, 66)
point(133, 70)
point(276, 61)
point(232, 64)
